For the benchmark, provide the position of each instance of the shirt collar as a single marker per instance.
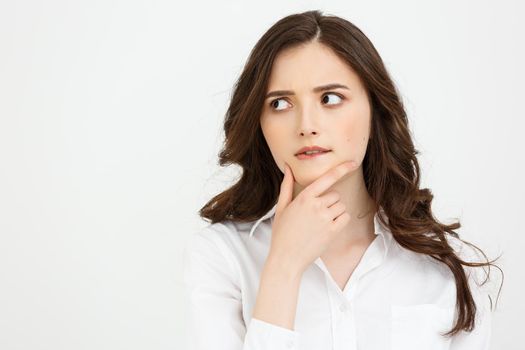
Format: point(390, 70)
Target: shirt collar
point(269, 214)
point(380, 229)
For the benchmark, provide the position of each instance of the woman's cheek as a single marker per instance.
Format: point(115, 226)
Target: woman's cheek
point(356, 138)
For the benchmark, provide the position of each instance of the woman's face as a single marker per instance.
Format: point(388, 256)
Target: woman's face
point(337, 118)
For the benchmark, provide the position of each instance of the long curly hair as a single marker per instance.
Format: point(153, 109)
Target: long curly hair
point(390, 167)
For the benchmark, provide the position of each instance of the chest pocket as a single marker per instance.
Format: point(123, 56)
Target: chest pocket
point(417, 327)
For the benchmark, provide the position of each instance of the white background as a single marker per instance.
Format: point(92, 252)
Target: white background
point(110, 125)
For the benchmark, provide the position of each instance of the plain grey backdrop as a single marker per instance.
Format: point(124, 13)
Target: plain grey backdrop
point(110, 125)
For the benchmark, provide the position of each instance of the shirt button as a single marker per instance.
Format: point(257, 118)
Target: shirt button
point(343, 307)
point(289, 344)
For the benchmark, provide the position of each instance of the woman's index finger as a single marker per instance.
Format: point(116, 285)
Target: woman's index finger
point(329, 178)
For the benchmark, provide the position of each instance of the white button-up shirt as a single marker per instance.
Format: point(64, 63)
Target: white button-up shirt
point(395, 298)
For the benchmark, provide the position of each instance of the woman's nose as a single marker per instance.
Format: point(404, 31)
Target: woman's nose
point(308, 132)
point(308, 122)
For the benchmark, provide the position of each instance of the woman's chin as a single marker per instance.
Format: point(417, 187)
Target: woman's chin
point(307, 179)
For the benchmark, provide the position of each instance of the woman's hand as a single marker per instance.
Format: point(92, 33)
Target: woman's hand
point(304, 227)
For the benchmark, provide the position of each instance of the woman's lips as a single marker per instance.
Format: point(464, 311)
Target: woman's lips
point(311, 156)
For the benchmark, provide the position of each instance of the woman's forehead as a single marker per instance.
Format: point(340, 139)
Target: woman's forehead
point(309, 65)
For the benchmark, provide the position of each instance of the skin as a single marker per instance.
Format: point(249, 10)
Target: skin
point(337, 119)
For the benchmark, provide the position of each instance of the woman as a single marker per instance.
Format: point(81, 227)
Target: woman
point(327, 241)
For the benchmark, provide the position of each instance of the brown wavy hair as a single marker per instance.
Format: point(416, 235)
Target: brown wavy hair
point(390, 167)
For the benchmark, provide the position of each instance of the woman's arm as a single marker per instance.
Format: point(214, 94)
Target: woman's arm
point(277, 297)
point(215, 305)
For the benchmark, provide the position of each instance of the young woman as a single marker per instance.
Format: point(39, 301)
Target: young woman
point(335, 248)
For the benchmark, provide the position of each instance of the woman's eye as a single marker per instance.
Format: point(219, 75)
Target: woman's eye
point(325, 97)
point(275, 103)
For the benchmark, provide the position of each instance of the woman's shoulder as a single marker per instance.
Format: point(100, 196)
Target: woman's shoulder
point(482, 279)
point(208, 261)
point(428, 265)
point(223, 231)
point(465, 249)
point(221, 239)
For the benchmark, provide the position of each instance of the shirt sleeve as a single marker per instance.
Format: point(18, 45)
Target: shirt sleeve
point(480, 337)
point(213, 296)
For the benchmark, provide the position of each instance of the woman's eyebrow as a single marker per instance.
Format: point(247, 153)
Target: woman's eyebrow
point(315, 89)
